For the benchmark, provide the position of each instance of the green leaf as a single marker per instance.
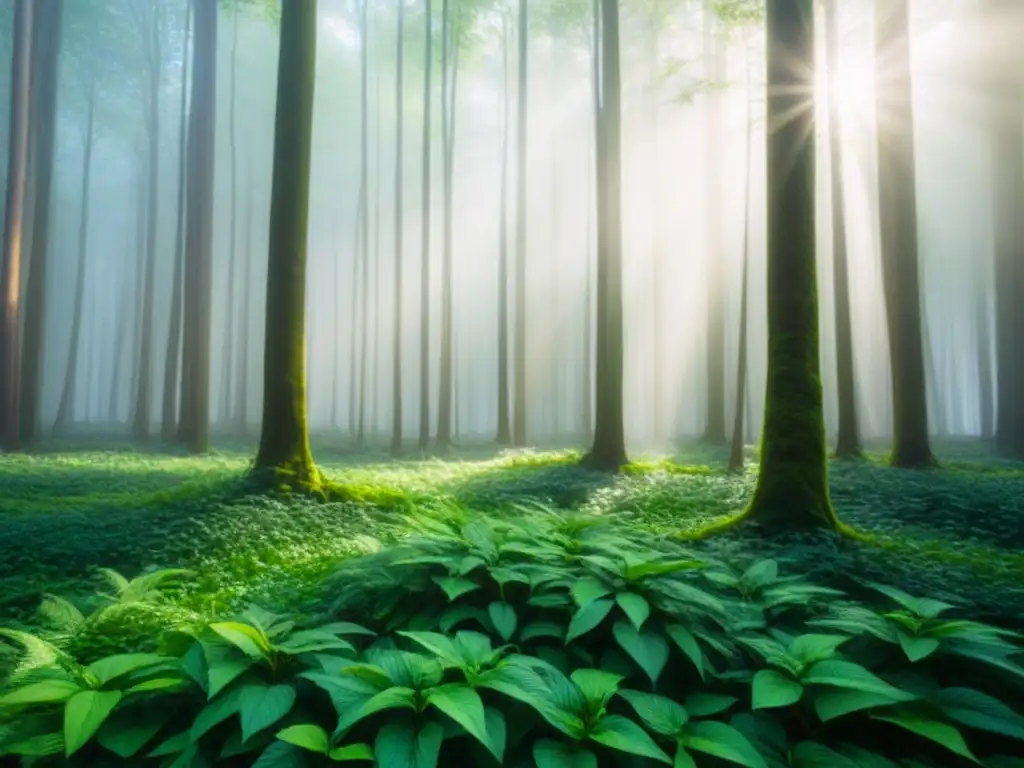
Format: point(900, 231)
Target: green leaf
point(683, 758)
point(660, 714)
point(830, 703)
point(940, 733)
point(702, 704)
point(223, 673)
point(130, 728)
point(43, 692)
point(635, 606)
point(548, 753)
point(917, 648)
point(760, 574)
point(809, 754)
point(249, 640)
point(113, 667)
point(643, 570)
point(84, 714)
point(924, 607)
point(311, 737)
point(587, 590)
point(172, 746)
point(400, 745)
point(503, 616)
point(846, 674)
point(351, 752)
point(536, 629)
point(981, 711)
point(772, 688)
point(159, 684)
point(279, 754)
point(260, 706)
point(217, 711)
point(463, 705)
point(596, 685)
point(43, 745)
point(687, 643)
point(392, 698)
point(312, 640)
point(440, 645)
point(497, 732)
point(648, 649)
point(588, 617)
point(619, 733)
point(724, 741)
point(456, 586)
point(811, 648)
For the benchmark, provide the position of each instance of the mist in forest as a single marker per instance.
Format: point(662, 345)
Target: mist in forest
point(693, 197)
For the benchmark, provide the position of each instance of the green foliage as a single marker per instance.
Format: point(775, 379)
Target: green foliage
point(550, 639)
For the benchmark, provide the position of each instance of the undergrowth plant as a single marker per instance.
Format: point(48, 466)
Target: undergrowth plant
point(549, 640)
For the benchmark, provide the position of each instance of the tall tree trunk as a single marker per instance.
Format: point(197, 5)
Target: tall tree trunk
point(139, 259)
point(593, 227)
point(424, 436)
point(353, 373)
point(444, 390)
point(396, 338)
point(47, 22)
point(284, 440)
point(242, 399)
point(898, 224)
point(848, 439)
point(519, 404)
point(792, 485)
point(172, 362)
point(154, 56)
point(504, 436)
point(714, 61)
point(609, 449)
point(14, 220)
point(122, 325)
point(195, 396)
point(229, 332)
point(736, 452)
point(65, 411)
point(983, 333)
point(364, 209)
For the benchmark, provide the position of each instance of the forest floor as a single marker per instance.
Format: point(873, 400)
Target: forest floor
point(954, 533)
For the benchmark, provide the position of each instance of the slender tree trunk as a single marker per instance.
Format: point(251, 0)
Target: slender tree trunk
point(424, 436)
point(519, 405)
point(504, 436)
point(284, 440)
point(848, 440)
point(172, 362)
point(353, 381)
point(242, 399)
point(609, 449)
point(396, 339)
point(47, 23)
point(195, 399)
point(898, 214)
point(14, 221)
point(792, 485)
point(154, 55)
point(65, 411)
point(375, 291)
point(139, 258)
point(229, 333)
point(444, 390)
point(124, 320)
point(597, 198)
point(364, 212)
point(986, 399)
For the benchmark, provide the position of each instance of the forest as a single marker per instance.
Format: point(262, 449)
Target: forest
point(555, 383)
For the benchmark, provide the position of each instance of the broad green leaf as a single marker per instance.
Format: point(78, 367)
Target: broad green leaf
point(497, 732)
point(505, 576)
point(440, 645)
point(587, 590)
point(772, 688)
point(392, 698)
point(43, 692)
point(940, 733)
point(456, 586)
point(924, 607)
point(702, 704)
point(536, 629)
point(351, 752)
point(173, 745)
point(846, 674)
point(548, 753)
point(460, 612)
point(160, 684)
point(371, 674)
point(687, 643)
point(280, 754)
point(596, 685)
point(260, 706)
point(760, 574)
point(620, 733)
point(43, 745)
point(313, 640)
point(811, 648)
point(917, 648)
point(810, 754)
point(503, 616)
point(830, 703)
point(346, 628)
point(473, 647)
point(217, 711)
point(683, 758)
point(981, 711)
point(635, 606)
point(130, 728)
point(463, 705)
point(648, 649)
point(588, 617)
point(401, 745)
point(311, 737)
point(724, 741)
point(468, 564)
point(660, 714)
point(223, 673)
point(643, 570)
point(249, 640)
point(84, 713)
point(113, 667)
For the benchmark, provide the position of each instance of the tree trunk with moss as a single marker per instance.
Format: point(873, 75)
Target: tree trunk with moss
point(47, 23)
point(14, 212)
point(792, 485)
point(608, 452)
point(284, 441)
point(898, 225)
point(848, 439)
